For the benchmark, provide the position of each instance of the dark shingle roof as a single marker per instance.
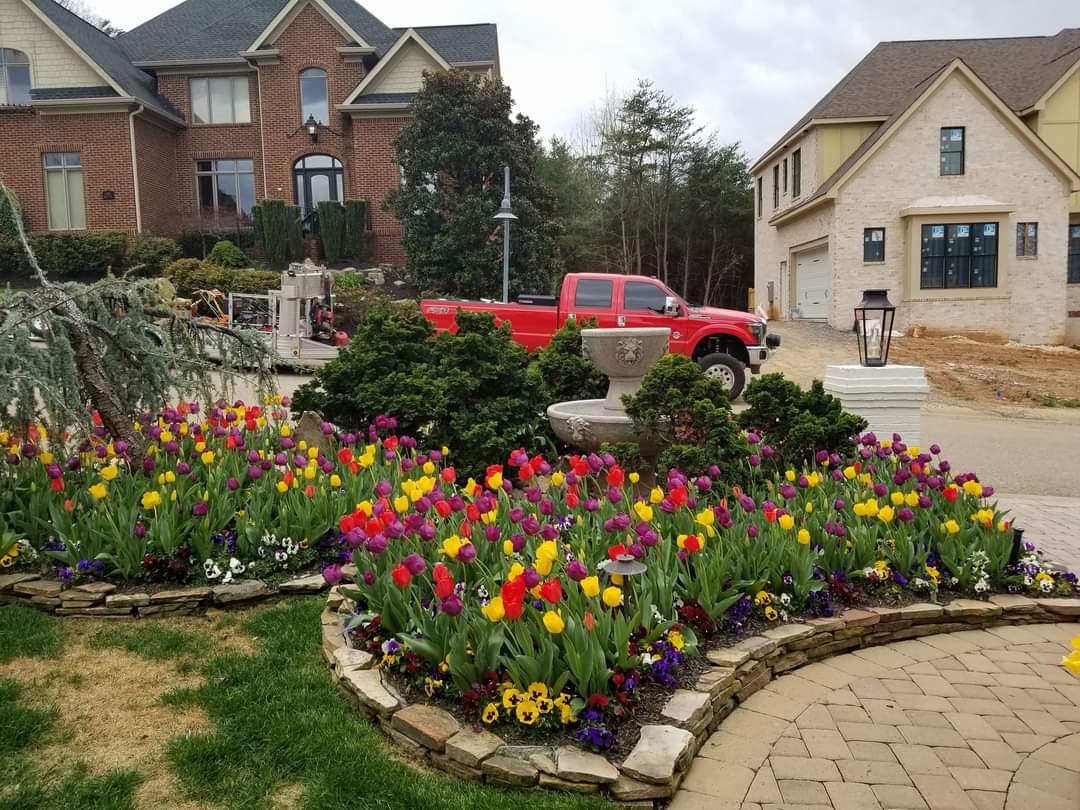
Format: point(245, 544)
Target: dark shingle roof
point(386, 98)
point(59, 93)
point(461, 43)
point(108, 56)
point(215, 29)
point(1019, 69)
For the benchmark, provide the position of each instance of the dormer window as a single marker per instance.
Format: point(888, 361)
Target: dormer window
point(14, 77)
point(314, 99)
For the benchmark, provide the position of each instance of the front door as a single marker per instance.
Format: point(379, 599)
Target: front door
point(318, 178)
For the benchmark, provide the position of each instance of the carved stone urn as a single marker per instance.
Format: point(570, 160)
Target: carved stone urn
point(624, 355)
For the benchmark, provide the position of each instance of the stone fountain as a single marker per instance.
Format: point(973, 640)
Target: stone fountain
point(624, 355)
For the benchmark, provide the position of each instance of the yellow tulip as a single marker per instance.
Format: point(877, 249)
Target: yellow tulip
point(548, 550)
point(46, 458)
point(849, 473)
point(644, 511)
point(553, 622)
point(151, 499)
point(590, 586)
point(494, 610)
point(109, 472)
point(401, 503)
point(286, 431)
point(508, 548)
point(804, 537)
point(897, 498)
point(951, 526)
point(281, 487)
point(543, 566)
point(208, 457)
point(495, 481)
point(428, 468)
point(557, 479)
point(516, 570)
point(656, 495)
point(635, 477)
point(170, 477)
point(612, 596)
point(309, 475)
point(886, 514)
point(787, 522)
point(790, 475)
point(451, 546)
point(99, 491)
point(809, 508)
point(912, 499)
point(335, 480)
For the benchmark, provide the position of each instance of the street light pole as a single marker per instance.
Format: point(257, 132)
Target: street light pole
point(506, 216)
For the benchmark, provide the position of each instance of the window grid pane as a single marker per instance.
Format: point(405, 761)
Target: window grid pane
point(959, 256)
point(64, 192)
point(952, 151)
point(226, 189)
point(1073, 275)
point(874, 245)
point(796, 173)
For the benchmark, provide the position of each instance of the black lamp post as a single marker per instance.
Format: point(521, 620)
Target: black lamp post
point(312, 127)
point(1017, 545)
point(873, 327)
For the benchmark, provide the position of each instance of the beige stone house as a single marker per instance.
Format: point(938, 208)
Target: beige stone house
point(944, 171)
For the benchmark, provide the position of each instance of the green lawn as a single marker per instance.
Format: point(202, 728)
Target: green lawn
point(278, 721)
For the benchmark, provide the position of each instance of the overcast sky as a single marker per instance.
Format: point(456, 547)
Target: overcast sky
point(749, 67)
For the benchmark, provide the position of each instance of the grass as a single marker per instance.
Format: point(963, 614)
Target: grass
point(22, 786)
point(279, 721)
point(153, 640)
point(28, 632)
point(1052, 401)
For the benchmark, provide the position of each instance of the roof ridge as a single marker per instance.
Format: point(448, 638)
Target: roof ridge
point(85, 22)
point(448, 25)
point(969, 39)
point(225, 8)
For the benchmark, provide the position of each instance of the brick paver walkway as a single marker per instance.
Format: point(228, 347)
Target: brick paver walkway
point(975, 720)
point(1051, 523)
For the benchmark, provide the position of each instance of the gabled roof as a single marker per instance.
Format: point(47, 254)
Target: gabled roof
point(370, 79)
point(222, 29)
point(462, 44)
point(1018, 69)
point(106, 56)
point(915, 98)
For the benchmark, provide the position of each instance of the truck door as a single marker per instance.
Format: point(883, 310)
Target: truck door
point(643, 305)
point(594, 299)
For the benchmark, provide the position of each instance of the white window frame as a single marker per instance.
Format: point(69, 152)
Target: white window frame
point(5, 80)
point(67, 168)
point(238, 113)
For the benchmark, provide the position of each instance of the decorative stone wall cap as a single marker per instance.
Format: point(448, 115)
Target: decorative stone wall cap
point(346, 658)
point(428, 725)
point(509, 771)
point(757, 646)
point(628, 789)
point(127, 600)
point(550, 782)
point(687, 708)
point(826, 624)
point(1060, 607)
point(181, 595)
point(368, 687)
point(471, 747)
point(9, 581)
point(922, 610)
point(312, 583)
point(239, 591)
point(1014, 603)
point(860, 618)
point(94, 588)
point(38, 587)
point(971, 607)
point(575, 765)
point(789, 632)
point(728, 656)
point(659, 753)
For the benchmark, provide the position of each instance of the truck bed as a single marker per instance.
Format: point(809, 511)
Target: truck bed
point(533, 324)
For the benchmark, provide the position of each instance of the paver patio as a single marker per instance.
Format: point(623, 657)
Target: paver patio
point(974, 720)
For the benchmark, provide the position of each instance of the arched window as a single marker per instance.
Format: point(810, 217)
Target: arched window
point(14, 77)
point(318, 178)
point(314, 100)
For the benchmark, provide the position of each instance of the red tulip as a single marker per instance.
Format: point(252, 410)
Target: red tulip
point(551, 590)
point(616, 476)
point(443, 508)
point(344, 455)
point(401, 575)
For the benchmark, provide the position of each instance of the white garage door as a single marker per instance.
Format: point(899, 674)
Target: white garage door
point(812, 283)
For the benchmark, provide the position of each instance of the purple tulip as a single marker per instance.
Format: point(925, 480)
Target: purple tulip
point(747, 503)
point(754, 460)
point(467, 553)
point(751, 531)
point(492, 533)
point(452, 605)
point(254, 473)
point(354, 538)
point(530, 525)
point(383, 488)
point(906, 515)
point(532, 578)
point(576, 570)
point(183, 468)
point(332, 574)
point(752, 438)
point(200, 509)
point(377, 544)
point(369, 578)
point(427, 532)
point(518, 542)
point(140, 531)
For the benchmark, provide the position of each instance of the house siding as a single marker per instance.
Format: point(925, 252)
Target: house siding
point(405, 72)
point(53, 63)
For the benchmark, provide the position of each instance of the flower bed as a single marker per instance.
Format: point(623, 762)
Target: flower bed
point(548, 597)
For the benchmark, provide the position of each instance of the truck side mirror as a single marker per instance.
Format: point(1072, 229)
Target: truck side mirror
point(671, 305)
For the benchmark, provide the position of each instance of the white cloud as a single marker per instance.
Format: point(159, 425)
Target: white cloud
point(750, 67)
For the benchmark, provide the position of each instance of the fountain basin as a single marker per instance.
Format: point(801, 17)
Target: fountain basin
point(624, 355)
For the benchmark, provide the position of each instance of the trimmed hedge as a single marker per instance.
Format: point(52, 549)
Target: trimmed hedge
point(67, 254)
point(155, 253)
point(356, 230)
point(227, 254)
point(332, 230)
point(189, 275)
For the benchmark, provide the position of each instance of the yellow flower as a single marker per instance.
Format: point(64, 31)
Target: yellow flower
point(643, 511)
point(151, 499)
point(166, 437)
point(813, 479)
point(612, 596)
point(912, 499)
point(897, 498)
point(790, 475)
point(543, 566)
point(849, 473)
point(401, 503)
point(451, 546)
point(109, 472)
point(527, 712)
point(557, 479)
point(886, 514)
point(512, 697)
point(208, 457)
point(516, 570)
point(170, 477)
point(313, 453)
point(495, 481)
point(99, 491)
point(428, 468)
point(200, 446)
point(46, 458)
point(787, 522)
point(309, 473)
point(656, 495)
point(545, 705)
point(493, 610)
point(634, 477)
point(804, 537)
point(538, 691)
point(973, 488)
point(490, 714)
point(301, 445)
point(809, 508)
point(335, 480)
point(762, 598)
point(706, 518)
point(675, 638)
point(566, 715)
point(508, 548)
point(553, 622)
point(771, 614)
point(1071, 662)
point(951, 526)
point(281, 487)
point(590, 586)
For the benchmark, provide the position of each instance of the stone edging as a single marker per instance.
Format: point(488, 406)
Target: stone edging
point(656, 765)
point(99, 600)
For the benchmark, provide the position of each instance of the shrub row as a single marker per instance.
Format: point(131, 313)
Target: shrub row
point(74, 254)
point(189, 275)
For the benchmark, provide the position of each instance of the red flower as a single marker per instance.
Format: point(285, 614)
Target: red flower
point(770, 515)
point(678, 496)
point(589, 621)
point(613, 552)
point(388, 518)
point(230, 442)
point(580, 466)
point(465, 530)
point(692, 543)
point(69, 505)
point(347, 524)
point(950, 492)
point(57, 484)
point(444, 583)
point(288, 477)
point(572, 498)
point(513, 596)
point(251, 425)
point(354, 467)
point(390, 443)
point(472, 512)
point(598, 701)
point(443, 508)
point(448, 475)
point(309, 491)
point(344, 455)
point(525, 473)
point(616, 476)
point(551, 590)
point(373, 527)
point(401, 575)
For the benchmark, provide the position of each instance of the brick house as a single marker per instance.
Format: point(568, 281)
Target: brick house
point(197, 114)
point(945, 171)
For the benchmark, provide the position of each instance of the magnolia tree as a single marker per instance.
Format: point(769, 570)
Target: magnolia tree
point(115, 347)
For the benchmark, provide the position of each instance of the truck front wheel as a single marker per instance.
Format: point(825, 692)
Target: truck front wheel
point(727, 370)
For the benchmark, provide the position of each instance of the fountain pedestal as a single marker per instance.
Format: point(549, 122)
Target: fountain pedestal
point(624, 355)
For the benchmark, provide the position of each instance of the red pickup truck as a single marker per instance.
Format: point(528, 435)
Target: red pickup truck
point(725, 342)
